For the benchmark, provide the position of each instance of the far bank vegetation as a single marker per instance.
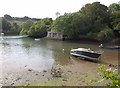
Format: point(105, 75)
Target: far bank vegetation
point(93, 21)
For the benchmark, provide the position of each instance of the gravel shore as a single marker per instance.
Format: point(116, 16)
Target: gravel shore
point(75, 74)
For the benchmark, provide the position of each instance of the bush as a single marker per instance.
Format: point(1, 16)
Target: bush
point(110, 75)
point(105, 34)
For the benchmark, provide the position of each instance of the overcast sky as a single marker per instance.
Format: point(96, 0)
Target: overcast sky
point(44, 8)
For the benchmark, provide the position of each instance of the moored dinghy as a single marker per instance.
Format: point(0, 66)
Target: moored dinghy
point(86, 53)
point(109, 47)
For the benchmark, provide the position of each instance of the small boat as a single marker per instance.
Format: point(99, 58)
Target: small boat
point(37, 39)
point(2, 34)
point(86, 53)
point(109, 47)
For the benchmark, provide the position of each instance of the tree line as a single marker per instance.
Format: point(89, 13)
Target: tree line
point(93, 21)
point(13, 25)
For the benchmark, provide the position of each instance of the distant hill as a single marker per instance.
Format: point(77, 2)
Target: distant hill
point(12, 25)
point(19, 20)
point(25, 18)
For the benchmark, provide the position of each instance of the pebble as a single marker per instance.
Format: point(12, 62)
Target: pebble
point(36, 74)
point(25, 65)
point(69, 71)
point(64, 80)
point(110, 65)
point(44, 70)
point(6, 78)
point(83, 81)
point(18, 79)
point(29, 69)
point(27, 80)
point(48, 79)
point(12, 83)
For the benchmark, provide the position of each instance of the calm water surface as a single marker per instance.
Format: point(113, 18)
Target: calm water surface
point(43, 54)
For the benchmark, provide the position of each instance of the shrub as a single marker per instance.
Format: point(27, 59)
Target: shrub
point(110, 75)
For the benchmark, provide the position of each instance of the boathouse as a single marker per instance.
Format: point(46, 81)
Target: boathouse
point(54, 34)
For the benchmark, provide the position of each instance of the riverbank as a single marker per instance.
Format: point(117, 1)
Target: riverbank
point(75, 74)
point(115, 41)
point(71, 75)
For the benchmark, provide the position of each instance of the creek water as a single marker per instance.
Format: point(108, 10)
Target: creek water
point(42, 54)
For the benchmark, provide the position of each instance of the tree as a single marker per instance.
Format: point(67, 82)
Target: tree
point(57, 14)
point(114, 7)
point(114, 10)
point(64, 24)
point(105, 34)
point(26, 18)
point(117, 30)
point(26, 27)
point(8, 17)
point(39, 29)
point(88, 22)
point(95, 14)
point(6, 26)
point(14, 28)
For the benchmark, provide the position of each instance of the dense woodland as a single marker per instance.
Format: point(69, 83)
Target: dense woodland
point(93, 21)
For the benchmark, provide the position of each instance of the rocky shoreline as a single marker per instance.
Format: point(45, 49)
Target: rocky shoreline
point(74, 74)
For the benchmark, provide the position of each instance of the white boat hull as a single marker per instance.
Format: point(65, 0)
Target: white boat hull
point(85, 53)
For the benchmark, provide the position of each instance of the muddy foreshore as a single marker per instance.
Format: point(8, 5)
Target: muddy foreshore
point(75, 74)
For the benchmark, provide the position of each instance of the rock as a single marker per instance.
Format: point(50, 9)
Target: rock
point(116, 66)
point(42, 75)
point(83, 81)
point(56, 72)
point(64, 80)
point(63, 85)
point(27, 80)
point(111, 65)
point(69, 71)
point(12, 83)
point(36, 74)
point(25, 65)
point(44, 70)
point(29, 69)
point(48, 79)
point(6, 78)
point(18, 79)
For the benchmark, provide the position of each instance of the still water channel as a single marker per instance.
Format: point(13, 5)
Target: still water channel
point(43, 54)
